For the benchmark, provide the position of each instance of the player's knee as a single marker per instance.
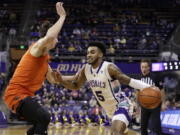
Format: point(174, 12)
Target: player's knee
point(47, 118)
point(115, 129)
point(117, 132)
point(118, 127)
point(44, 117)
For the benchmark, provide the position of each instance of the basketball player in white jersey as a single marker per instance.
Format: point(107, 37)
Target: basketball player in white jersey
point(104, 79)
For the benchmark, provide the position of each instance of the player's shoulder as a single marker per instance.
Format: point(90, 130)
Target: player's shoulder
point(84, 68)
point(107, 63)
point(86, 65)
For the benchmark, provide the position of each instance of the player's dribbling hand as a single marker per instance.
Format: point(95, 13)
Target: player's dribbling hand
point(155, 88)
point(60, 9)
point(57, 77)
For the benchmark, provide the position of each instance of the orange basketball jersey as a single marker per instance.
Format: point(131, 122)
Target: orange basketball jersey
point(27, 79)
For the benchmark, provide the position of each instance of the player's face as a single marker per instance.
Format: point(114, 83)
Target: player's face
point(93, 54)
point(145, 69)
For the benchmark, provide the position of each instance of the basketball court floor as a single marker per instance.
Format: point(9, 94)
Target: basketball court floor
point(90, 130)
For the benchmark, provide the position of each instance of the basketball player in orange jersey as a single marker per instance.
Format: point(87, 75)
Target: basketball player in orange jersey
point(29, 75)
point(104, 79)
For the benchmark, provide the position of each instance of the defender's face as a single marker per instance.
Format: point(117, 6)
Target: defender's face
point(145, 68)
point(93, 54)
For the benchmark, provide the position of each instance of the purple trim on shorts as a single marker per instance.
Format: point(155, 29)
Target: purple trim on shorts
point(123, 111)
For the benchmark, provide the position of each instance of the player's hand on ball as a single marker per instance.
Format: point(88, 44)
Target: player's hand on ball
point(60, 9)
point(155, 88)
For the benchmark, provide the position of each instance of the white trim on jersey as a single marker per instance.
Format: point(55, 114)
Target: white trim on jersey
point(121, 117)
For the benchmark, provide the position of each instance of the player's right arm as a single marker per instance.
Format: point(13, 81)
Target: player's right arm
point(71, 82)
point(116, 73)
point(50, 38)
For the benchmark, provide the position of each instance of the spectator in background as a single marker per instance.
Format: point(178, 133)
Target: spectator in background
point(2, 82)
point(116, 28)
point(62, 48)
point(111, 50)
point(71, 48)
point(142, 43)
point(123, 41)
point(93, 102)
point(96, 110)
point(12, 33)
point(77, 32)
point(117, 40)
point(86, 34)
point(13, 17)
point(56, 52)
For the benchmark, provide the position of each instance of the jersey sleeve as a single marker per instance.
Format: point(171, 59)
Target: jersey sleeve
point(107, 72)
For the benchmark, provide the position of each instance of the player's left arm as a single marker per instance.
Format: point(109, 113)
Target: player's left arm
point(45, 43)
point(116, 73)
point(73, 82)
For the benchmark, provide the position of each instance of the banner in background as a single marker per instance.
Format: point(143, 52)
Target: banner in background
point(170, 121)
point(67, 67)
point(73, 67)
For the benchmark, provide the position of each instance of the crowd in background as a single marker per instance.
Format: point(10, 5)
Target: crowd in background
point(121, 29)
point(2, 82)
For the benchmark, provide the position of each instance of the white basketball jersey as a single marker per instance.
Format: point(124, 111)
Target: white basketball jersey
point(106, 90)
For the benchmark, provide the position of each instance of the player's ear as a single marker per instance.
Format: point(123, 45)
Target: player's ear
point(100, 54)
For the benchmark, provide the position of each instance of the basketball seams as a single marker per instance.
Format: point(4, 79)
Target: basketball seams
point(149, 97)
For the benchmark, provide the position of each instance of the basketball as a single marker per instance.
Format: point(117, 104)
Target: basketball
point(150, 97)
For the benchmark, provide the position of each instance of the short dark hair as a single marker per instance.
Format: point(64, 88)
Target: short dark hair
point(44, 28)
point(147, 61)
point(99, 45)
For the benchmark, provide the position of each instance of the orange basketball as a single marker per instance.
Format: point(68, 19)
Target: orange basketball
point(150, 97)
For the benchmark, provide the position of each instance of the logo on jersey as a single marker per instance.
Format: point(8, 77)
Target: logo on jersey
point(97, 83)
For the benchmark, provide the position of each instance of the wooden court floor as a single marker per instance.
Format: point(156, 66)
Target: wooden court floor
point(90, 130)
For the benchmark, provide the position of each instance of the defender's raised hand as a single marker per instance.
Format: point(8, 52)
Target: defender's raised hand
point(57, 77)
point(60, 9)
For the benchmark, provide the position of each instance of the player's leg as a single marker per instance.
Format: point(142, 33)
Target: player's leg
point(118, 128)
point(43, 121)
point(145, 115)
point(31, 130)
point(36, 114)
point(120, 122)
point(155, 118)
